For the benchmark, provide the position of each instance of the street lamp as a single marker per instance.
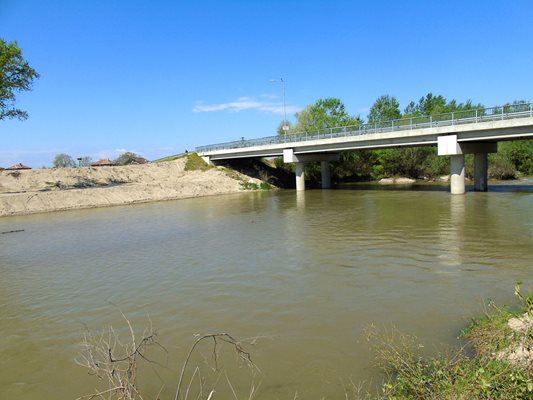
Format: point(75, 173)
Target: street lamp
point(285, 126)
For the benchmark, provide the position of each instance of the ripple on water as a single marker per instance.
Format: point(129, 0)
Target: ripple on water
point(306, 273)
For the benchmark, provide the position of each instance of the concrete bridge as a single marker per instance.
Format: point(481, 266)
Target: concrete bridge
point(455, 134)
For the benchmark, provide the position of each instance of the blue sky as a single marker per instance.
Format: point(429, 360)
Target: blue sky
point(159, 77)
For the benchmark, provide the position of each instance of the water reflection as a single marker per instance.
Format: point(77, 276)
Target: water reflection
point(451, 229)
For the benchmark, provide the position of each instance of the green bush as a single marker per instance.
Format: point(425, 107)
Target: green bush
point(519, 153)
point(196, 163)
point(487, 374)
point(501, 167)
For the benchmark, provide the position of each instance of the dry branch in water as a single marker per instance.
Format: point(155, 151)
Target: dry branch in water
point(106, 357)
point(115, 363)
point(223, 337)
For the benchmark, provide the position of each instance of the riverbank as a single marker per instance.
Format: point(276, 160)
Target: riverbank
point(58, 189)
point(496, 364)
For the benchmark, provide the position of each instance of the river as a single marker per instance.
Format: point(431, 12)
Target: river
point(297, 277)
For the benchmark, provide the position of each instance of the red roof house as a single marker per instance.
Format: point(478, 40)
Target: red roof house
point(18, 166)
point(104, 162)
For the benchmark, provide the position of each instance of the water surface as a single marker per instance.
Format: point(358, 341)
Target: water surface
point(304, 273)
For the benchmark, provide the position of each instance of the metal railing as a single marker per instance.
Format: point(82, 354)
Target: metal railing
point(510, 111)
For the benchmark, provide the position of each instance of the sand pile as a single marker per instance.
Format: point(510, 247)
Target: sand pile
point(44, 190)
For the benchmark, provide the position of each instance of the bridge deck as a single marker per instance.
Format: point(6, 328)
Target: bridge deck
point(508, 123)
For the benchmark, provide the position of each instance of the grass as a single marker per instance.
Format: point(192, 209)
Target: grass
point(196, 163)
point(171, 158)
point(489, 373)
point(255, 186)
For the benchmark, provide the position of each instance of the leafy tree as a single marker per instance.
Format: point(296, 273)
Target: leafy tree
point(16, 75)
point(281, 131)
point(63, 160)
point(433, 105)
point(129, 158)
point(324, 113)
point(384, 108)
point(519, 153)
point(355, 165)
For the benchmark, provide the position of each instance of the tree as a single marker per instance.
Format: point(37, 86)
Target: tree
point(280, 131)
point(433, 105)
point(385, 108)
point(16, 75)
point(85, 161)
point(128, 158)
point(63, 160)
point(324, 113)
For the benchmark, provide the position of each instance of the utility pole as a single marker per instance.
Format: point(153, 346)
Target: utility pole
point(285, 125)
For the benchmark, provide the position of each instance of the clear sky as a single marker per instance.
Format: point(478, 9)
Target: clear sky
point(159, 77)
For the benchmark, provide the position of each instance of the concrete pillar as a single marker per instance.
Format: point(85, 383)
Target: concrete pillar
point(300, 176)
point(481, 167)
point(457, 179)
point(326, 174)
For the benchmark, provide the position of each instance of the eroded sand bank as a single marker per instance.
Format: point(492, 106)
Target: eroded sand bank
point(45, 190)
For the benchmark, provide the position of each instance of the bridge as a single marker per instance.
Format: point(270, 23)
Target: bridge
point(455, 134)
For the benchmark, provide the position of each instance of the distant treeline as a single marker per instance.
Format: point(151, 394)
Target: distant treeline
point(513, 158)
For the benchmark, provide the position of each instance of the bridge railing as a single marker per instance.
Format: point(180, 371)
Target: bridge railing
point(508, 111)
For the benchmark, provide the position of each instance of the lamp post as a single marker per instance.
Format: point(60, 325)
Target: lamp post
point(285, 126)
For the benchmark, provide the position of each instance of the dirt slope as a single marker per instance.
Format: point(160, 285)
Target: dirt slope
point(44, 190)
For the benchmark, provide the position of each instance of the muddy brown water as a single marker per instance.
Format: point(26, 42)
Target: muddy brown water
point(296, 277)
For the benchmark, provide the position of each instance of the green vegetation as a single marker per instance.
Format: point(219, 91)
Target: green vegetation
point(195, 163)
point(16, 75)
point(513, 158)
point(171, 158)
point(499, 368)
point(255, 186)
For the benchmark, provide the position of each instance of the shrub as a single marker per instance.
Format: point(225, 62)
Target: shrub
point(196, 163)
point(501, 168)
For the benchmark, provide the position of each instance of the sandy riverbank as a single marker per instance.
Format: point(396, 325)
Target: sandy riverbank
point(45, 190)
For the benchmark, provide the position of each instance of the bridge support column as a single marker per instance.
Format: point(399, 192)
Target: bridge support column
point(300, 176)
point(457, 178)
point(449, 146)
point(326, 174)
point(480, 172)
point(300, 159)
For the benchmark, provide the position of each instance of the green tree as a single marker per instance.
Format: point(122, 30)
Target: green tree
point(281, 131)
point(433, 105)
point(384, 108)
point(519, 153)
point(16, 76)
point(324, 113)
point(63, 160)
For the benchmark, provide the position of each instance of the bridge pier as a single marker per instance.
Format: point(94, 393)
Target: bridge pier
point(457, 174)
point(301, 159)
point(325, 172)
point(481, 172)
point(448, 146)
point(300, 176)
